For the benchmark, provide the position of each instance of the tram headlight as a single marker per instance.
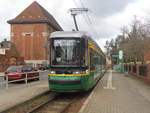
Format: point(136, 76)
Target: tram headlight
point(52, 72)
point(81, 72)
point(87, 71)
point(76, 72)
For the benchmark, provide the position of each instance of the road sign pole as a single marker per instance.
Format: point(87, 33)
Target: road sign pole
point(120, 61)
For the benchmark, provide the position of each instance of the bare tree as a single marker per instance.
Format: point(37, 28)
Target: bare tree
point(134, 41)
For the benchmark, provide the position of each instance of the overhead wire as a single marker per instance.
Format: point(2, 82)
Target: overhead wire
point(77, 6)
point(87, 18)
point(82, 5)
point(75, 3)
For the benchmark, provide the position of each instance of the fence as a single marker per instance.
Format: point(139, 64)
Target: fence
point(143, 70)
point(126, 67)
point(26, 78)
point(129, 67)
point(134, 68)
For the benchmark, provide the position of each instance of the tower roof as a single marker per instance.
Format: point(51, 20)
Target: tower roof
point(35, 13)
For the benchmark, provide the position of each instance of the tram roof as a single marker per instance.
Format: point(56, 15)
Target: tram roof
point(68, 34)
point(74, 34)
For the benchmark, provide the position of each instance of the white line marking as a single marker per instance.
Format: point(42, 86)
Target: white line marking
point(109, 82)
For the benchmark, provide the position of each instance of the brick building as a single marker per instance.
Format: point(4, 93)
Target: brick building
point(9, 55)
point(30, 31)
point(147, 56)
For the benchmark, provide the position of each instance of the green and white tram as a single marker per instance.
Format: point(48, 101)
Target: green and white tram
point(76, 62)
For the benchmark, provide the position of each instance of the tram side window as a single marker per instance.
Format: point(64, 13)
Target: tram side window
point(86, 57)
point(102, 63)
point(96, 59)
point(84, 52)
point(99, 60)
point(91, 60)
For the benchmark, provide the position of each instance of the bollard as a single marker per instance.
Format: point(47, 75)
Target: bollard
point(7, 82)
point(126, 73)
point(26, 78)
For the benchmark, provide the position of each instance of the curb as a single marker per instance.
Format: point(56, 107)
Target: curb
point(89, 97)
point(86, 102)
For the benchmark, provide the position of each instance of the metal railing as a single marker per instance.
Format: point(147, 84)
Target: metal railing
point(27, 77)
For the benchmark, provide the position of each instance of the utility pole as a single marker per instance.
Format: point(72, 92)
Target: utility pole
point(74, 12)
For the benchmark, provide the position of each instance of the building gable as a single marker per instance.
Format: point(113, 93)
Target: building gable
point(35, 13)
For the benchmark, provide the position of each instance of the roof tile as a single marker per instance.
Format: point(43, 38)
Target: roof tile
point(35, 13)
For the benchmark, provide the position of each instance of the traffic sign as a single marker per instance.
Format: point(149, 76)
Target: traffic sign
point(115, 56)
point(120, 54)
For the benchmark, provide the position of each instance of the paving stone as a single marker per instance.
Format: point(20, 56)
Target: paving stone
point(130, 96)
point(16, 95)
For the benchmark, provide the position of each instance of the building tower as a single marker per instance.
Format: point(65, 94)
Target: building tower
point(30, 31)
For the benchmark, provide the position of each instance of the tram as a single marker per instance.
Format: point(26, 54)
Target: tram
point(76, 62)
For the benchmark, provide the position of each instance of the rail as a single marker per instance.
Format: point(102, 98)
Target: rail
point(57, 104)
point(6, 82)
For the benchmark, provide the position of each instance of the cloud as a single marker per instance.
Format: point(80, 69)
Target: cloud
point(105, 8)
point(107, 16)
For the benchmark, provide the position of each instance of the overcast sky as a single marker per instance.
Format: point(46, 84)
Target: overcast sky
point(107, 16)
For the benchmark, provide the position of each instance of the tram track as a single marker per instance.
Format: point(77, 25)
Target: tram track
point(56, 105)
point(26, 106)
point(48, 102)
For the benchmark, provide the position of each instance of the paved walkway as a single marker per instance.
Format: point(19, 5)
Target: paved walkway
point(119, 94)
point(19, 94)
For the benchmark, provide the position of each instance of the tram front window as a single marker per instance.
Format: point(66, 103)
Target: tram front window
point(65, 52)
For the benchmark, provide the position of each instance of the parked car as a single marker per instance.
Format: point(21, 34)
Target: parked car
point(19, 72)
point(43, 68)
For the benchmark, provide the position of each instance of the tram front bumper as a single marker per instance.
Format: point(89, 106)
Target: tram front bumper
point(65, 83)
